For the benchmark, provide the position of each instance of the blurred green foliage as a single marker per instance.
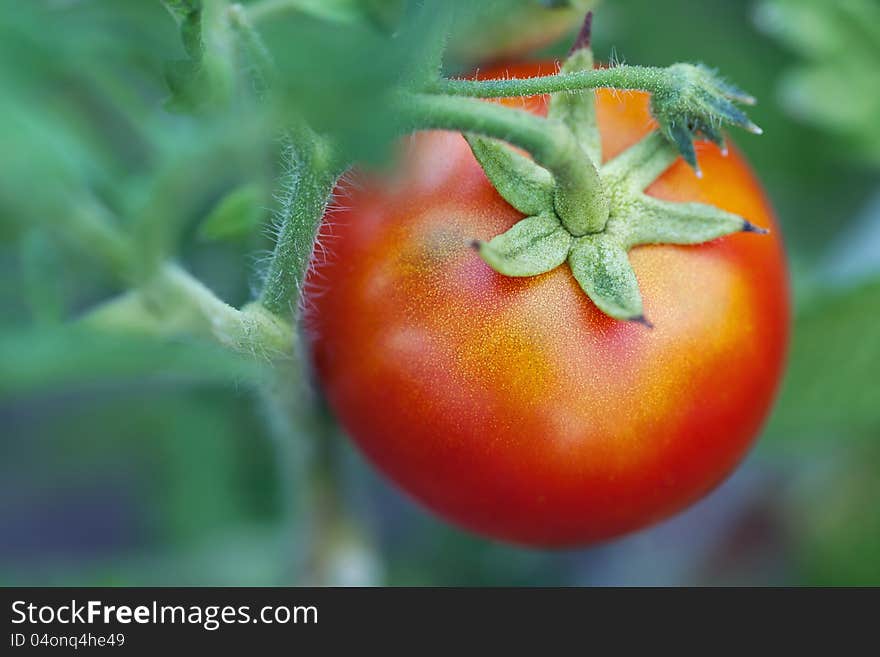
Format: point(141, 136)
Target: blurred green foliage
point(830, 387)
point(840, 534)
point(137, 460)
point(837, 86)
point(237, 215)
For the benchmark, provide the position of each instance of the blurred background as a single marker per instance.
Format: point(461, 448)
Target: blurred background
point(138, 460)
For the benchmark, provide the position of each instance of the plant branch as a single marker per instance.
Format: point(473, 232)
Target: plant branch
point(262, 66)
point(173, 302)
point(579, 199)
point(310, 179)
point(544, 139)
point(645, 78)
point(90, 225)
point(686, 99)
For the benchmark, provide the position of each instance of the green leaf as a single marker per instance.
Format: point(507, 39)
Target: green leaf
point(601, 267)
point(237, 214)
point(831, 389)
point(836, 533)
point(337, 77)
point(385, 14)
point(187, 84)
point(840, 44)
point(525, 185)
point(191, 33)
point(336, 10)
point(181, 9)
point(532, 246)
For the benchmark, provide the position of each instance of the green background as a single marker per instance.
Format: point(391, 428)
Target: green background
point(130, 461)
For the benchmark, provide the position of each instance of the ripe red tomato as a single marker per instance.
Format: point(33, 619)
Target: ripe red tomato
point(513, 406)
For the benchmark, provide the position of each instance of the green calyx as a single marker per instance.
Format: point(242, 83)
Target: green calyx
point(695, 100)
point(591, 217)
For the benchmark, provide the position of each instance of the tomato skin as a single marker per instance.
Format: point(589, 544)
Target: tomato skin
point(514, 407)
point(523, 28)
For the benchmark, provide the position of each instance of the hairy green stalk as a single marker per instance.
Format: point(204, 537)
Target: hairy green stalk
point(310, 179)
point(645, 78)
point(578, 196)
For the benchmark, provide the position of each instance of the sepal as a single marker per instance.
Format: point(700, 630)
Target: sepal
point(653, 221)
point(641, 164)
point(601, 267)
point(533, 246)
point(680, 135)
point(525, 185)
point(577, 109)
point(698, 100)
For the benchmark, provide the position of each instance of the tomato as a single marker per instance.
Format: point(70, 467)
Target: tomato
point(521, 28)
point(493, 32)
point(513, 406)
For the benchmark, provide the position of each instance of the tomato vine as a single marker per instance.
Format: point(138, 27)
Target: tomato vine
point(686, 100)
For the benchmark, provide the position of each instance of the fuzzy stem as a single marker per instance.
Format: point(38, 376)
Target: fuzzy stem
point(644, 78)
point(543, 139)
point(312, 177)
point(288, 407)
point(174, 302)
point(262, 64)
point(580, 200)
point(316, 526)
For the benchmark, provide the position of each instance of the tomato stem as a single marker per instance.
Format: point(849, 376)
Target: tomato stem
point(685, 98)
point(644, 78)
point(262, 64)
point(579, 197)
point(312, 172)
point(311, 176)
point(174, 302)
